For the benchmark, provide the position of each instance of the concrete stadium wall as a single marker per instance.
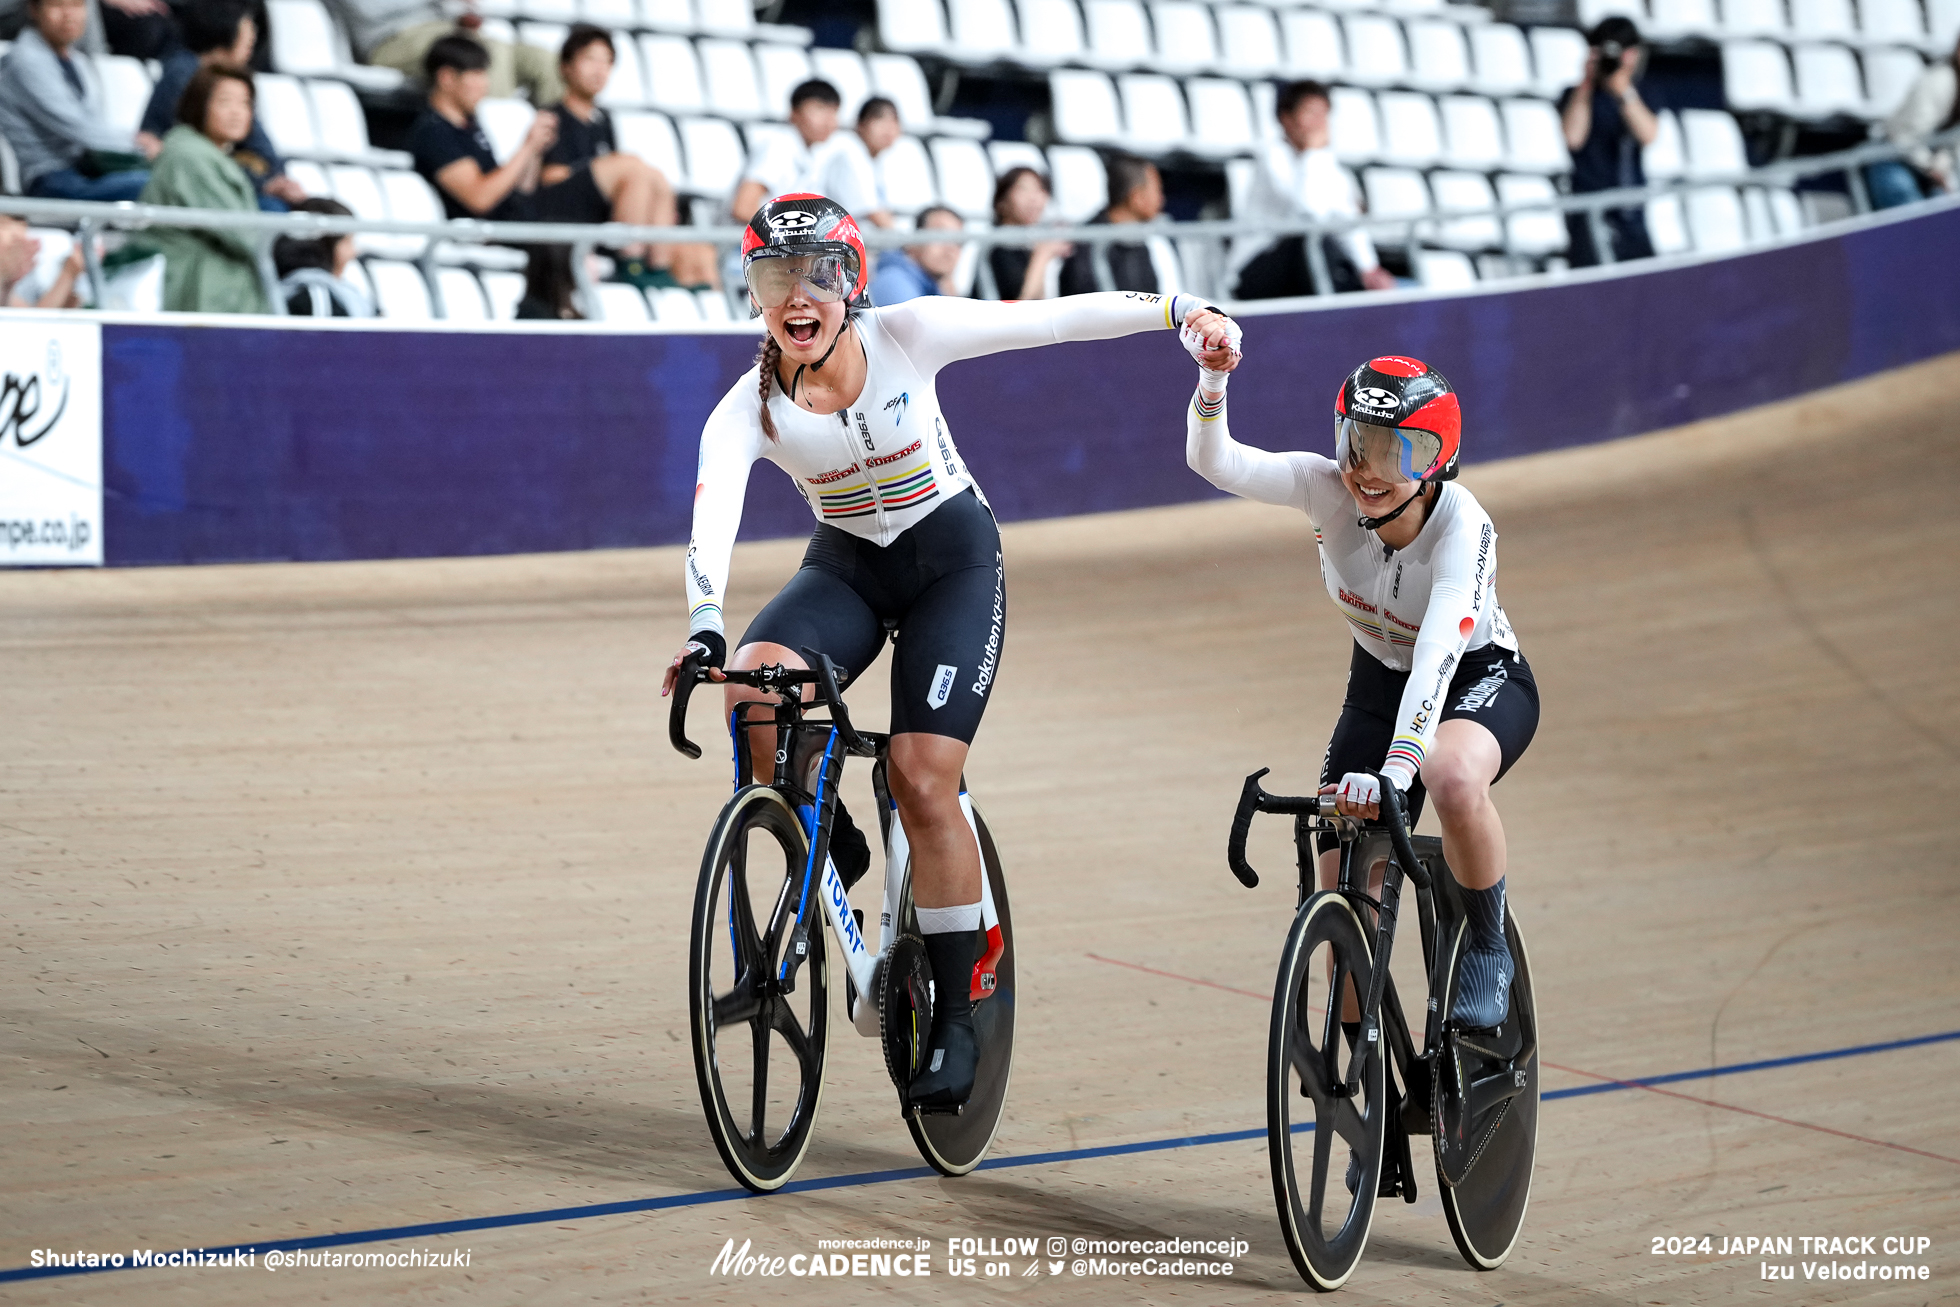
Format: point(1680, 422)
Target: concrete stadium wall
point(226, 442)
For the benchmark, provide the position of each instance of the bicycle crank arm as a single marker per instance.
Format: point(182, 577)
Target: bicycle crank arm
point(1494, 1089)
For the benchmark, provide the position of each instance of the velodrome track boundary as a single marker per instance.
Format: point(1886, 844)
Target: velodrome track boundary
point(862, 1179)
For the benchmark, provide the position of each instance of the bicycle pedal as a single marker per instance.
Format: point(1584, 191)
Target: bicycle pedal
point(954, 1110)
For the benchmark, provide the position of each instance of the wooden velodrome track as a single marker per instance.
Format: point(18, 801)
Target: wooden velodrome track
point(353, 897)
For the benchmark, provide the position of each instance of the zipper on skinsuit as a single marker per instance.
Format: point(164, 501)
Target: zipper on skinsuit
point(863, 459)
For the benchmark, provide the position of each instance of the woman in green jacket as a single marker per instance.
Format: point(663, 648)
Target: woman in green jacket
point(207, 270)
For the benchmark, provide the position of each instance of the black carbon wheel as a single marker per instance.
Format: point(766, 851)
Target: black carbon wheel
point(1490, 1153)
point(1326, 1226)
point(758, 1050)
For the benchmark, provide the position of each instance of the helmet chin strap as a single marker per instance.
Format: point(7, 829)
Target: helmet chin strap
point(836, 340)
point(1373, 523)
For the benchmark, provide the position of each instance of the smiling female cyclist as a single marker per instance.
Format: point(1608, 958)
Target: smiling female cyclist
point(1438, 695)
point(842, 398)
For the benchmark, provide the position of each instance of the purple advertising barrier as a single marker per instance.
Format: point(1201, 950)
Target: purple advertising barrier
point(231, 443)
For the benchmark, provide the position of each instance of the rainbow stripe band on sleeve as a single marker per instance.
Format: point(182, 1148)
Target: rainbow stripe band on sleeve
point(1208, 411)
point(703, 614)
point(1408, 751)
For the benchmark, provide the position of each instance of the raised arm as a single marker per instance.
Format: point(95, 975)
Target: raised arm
point(730, 443)
point(1241, 470)
point(1466, 573)
point(938, 330)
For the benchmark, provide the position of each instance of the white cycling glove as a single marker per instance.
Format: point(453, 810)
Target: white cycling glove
point(1194, 344)
point(1359, 789)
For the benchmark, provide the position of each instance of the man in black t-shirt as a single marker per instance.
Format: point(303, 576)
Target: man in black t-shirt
point(1606, 124)
point(585, 139)
point(1136, 194)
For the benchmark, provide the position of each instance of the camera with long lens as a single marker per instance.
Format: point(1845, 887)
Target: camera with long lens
point(1611, 55)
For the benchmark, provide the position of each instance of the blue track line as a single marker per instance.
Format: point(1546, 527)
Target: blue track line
point(861, 1178)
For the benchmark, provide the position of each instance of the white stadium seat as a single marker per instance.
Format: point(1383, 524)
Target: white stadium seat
point(1754, 18)
point(1395, 193)
point(311, 177)
point(1185, 41)
point(966, 179)
point(125, 90)
point(627, 87)
point(713, 305)
point(982, 30)
point(1666, 156)
point(714, 155)
point(545, 36)
point(671, 304)
point(665, 16)
point(651, 137)
point(462, 298)
point(1889, 74)
point(1558, 58)
point(1896, 22)
point(562, 12)
point(1593, 11)
point(619, 302)
point(503, 290)
point(725, 17)
point(1085, 106)
point(1712, 143)
point(399, 291)
point(845, 70)
point(1534, 138)
point(1674, 19)
point(1823, 20)
point(1715, 220)
point(912, 25)
point(1079, 187)
point(1119, 33)
point(1411, 135)
point(617, 16)
point(1248, 41)
point(1466, 193)
point(409, 197)
point(905, 175)
point(1444, 270)
point(1756, 75)
point(1439, 55)
point(728, 75)
point(673, 75)
point(1016, 154)
point(1376, 56)
point(1533, 233)
point(339, 118)
point(285, 113)
point(1667, 228)
point(1153, 112)
point(781, 69)
point(1773, 212)
point(1353, 127)
point(1313, 45)
point(899, 79)
point(1501, 59)
point(1221, 116)
point(1472, 136)
point(1942, 26)
point(1828, 81)
point(504, 122)
point(1051, 32)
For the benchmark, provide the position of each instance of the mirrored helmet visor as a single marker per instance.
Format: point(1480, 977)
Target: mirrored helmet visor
point(1387, 453)
point(826, 278)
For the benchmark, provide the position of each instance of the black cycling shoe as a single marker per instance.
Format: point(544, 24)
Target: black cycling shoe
point(1483, 986)
point(952, 1062)
point(848, 849)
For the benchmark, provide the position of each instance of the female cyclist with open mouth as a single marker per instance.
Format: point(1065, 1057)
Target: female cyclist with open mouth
point(842, 398)
point(1438, 697)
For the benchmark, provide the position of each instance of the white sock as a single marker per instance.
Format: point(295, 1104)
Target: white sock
point(944, 921)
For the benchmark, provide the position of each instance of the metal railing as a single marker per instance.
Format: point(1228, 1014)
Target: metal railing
point(93, 219)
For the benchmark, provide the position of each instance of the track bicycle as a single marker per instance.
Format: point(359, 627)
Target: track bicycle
point(758, 974)
point(1473, 1091)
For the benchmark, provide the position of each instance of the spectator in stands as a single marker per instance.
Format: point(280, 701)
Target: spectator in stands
point(398, 34)
point(916, 270)
point(221, 32)
point(313, 273)
point(210, 270)
point(20, 251)
point(586, 140)
point(1021, 271)
point(784, 164)
point(1136, 194)
point(850, 170)
point(51, 113)
point(549, 287)
point(1299, 177)
point(1606, 123)
point(1932, 105)
point(451, 150)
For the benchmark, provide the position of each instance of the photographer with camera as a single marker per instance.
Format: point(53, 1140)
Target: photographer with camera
point(1606, 123)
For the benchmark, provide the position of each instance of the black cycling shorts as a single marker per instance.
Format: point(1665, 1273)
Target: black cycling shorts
point(939, 588)
point(1493, 687)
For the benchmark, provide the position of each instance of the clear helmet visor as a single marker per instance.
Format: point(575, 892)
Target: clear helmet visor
point(1386, 453)
point(825, 278)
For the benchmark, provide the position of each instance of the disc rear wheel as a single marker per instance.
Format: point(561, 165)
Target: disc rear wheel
point(1318, 1132)
point(759, 1041)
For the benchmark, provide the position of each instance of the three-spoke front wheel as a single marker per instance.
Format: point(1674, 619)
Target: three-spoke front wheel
point(759, 1041)
point(1325, 1136)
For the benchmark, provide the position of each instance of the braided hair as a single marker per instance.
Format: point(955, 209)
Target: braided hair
point(766, 360)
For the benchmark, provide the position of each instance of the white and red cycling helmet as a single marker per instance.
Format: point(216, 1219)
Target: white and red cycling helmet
point(1398, 417)
point(804, 238)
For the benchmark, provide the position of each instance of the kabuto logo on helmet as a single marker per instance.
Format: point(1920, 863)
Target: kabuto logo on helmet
point(1375, 397)
point(793, 220)
point(1393, 390)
